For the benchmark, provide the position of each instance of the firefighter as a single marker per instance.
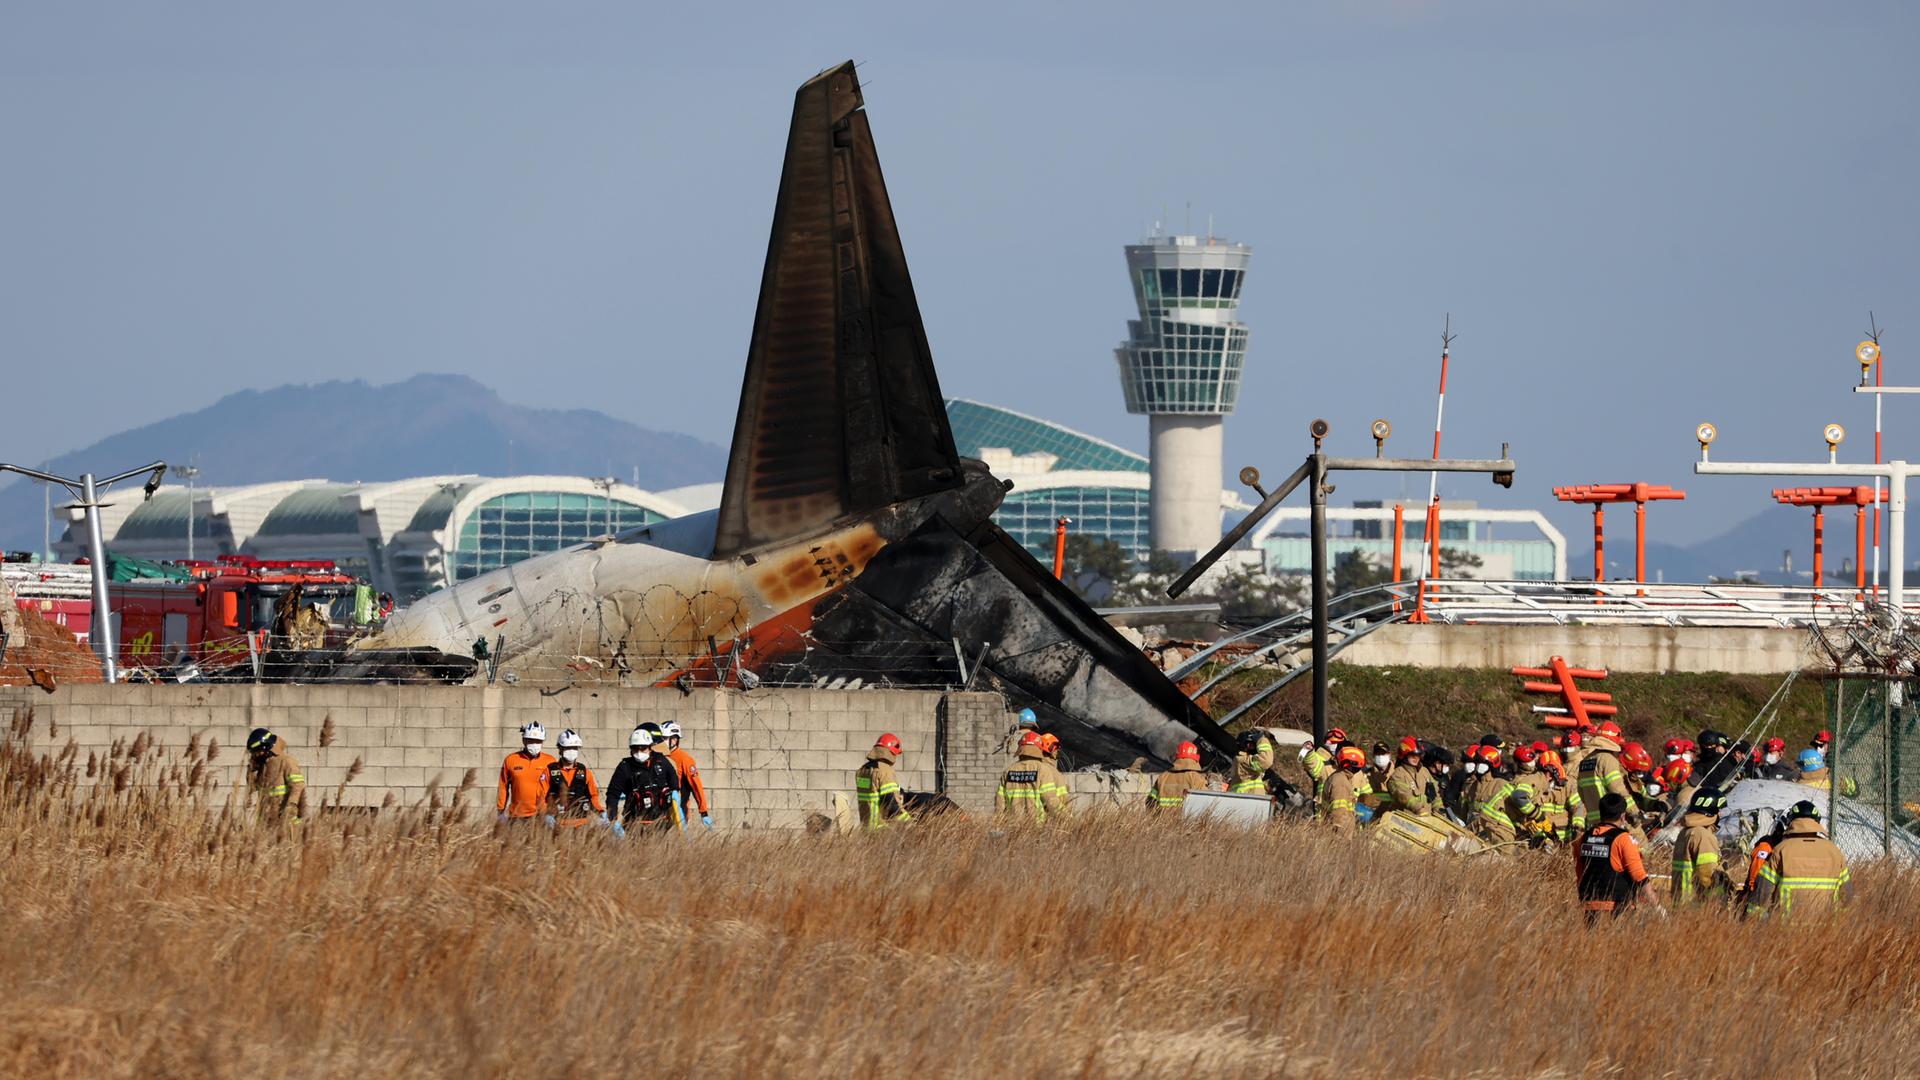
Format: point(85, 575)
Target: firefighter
point(1770, 765)
point(1600, 773)
point(1318, 760)
point(1806, 871)
point(876, 787)
point(644, 794)
point(523, 777)
point(1500, 804)
point(1560, 797)
point(1028, 721)
point(1451, 777)
point(1571, 751)
point(1813, 768)
point(1606, 863)
point(275, 779)
point(693, 793)
point(1379, 766)
point(1410, 786)
point(1251, 763)
point(1170, 788)
point(1757, 859)
point(1716, 765)
point(1538, 783)
point(573, 798)
point(1056, 793)
point(1697, 873)
point(1029, 787)
point(1343, 789)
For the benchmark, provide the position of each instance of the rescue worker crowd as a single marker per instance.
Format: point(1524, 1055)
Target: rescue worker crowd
point(1597, 794)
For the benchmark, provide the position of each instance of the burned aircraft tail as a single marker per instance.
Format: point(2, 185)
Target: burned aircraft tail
point(841, 412)
point(841, 420)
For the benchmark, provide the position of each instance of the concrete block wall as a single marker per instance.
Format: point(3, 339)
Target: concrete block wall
point(769, 758)
point(1739, 650)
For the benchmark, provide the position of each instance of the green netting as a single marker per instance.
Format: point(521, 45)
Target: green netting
point(122, 568)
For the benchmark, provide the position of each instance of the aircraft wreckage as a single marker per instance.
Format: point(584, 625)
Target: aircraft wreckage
point(850, 532)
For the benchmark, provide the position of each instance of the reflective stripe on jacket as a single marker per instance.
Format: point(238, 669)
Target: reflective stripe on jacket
point(1696, 861)
point(1805, 871)
point(877, 788)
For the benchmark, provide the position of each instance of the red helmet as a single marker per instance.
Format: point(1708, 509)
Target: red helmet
point(1675, 774)
point(1688, 746)
point(889, 741)
point(1490, 755)
point(1573, 739)
point(1409, 745)
point(1675, 747)
point(1776, 745)
point(1823, 738)
point(1186, 751)
point(1352, 755)
point(1524, 753)
point(1540, 746)
point(1609, 729)
point(1635, 758)
point(1029, 738)
point(1334, 734)
point(1049, 743)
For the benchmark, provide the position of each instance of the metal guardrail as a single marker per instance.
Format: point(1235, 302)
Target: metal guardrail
point(1632, 603)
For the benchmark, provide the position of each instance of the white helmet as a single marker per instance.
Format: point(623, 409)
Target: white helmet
point(670, 729)
point(534, 732)
point(640, 737)
point(569, 740)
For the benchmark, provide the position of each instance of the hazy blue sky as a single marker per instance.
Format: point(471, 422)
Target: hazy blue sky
point(1640, 215)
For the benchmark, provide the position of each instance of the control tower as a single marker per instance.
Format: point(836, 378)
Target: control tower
point(1181, 365)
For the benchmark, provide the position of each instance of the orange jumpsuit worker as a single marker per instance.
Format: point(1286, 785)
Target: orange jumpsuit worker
point(523, 777)
point(573, 798)
point(692, 791)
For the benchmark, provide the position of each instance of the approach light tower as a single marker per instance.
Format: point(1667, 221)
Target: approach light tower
point(1181, 366)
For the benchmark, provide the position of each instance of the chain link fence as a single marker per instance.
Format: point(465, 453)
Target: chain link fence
point(1874, 788)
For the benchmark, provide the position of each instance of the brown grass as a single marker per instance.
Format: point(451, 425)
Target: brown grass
point(147, 932)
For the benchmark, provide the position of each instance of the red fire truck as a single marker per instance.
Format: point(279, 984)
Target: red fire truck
point(214, 613)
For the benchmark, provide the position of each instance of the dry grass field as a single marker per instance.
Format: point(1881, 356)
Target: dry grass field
point(148, 929)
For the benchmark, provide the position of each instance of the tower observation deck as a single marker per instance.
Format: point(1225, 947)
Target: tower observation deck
point(1181, 365)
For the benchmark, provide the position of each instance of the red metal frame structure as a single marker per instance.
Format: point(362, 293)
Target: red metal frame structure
point(1582, 705)
point(1060, 547)
point(1859, 497)
point(1598, 496)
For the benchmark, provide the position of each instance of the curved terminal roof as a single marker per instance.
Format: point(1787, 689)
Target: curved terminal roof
point(316, 511)
point(977, 425)
point(162, 517)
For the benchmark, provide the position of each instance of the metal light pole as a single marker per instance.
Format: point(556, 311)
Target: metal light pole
point(1316, 468)
point(1894, 472)
point(187, 473)
point(87, 491)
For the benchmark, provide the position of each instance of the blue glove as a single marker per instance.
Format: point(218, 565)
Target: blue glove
point(550, 821)
point(619, 830)
point(707, 820)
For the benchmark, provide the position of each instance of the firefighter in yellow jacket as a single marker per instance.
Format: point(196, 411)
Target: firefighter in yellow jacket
point(1807, 873)
point(1318, 762)
point(1409, 782)
point(1697, 873)
point(877, 787)
point(1031, 789)
point(1170, 788)
point(1600, 774)
point(1250, 765)
point(1344, 788)
point(275, 779)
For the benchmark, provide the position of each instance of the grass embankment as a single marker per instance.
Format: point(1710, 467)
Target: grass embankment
point(145, 933)
point(1458, 705)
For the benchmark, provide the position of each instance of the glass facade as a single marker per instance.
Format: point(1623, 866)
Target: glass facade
point(508, 528)
point(1115, 513)
point(1185, 351)
point(976, 426)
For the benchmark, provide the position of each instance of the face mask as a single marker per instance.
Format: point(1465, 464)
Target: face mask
point(533, 749)
point(1673, 757)
point(642, 754)
point(570, 755)
point(1687, 757)
point(1773, 759)
point(1381, 761)
point(1480, 766)
point(1653, 789)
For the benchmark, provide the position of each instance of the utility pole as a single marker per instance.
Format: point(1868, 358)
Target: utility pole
point(1316, 468)
point(86, 492)
point(188, 472)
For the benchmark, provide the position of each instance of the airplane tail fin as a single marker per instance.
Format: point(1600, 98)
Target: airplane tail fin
point(841, 411)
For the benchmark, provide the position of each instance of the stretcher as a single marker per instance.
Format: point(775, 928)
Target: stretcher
point(1422, 832)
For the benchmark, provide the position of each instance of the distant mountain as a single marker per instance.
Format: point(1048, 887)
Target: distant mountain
point(351, 431)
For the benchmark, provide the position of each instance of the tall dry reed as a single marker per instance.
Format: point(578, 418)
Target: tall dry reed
point(152, 929)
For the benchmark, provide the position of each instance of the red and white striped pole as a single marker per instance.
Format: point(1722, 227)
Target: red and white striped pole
point(1430, 537)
